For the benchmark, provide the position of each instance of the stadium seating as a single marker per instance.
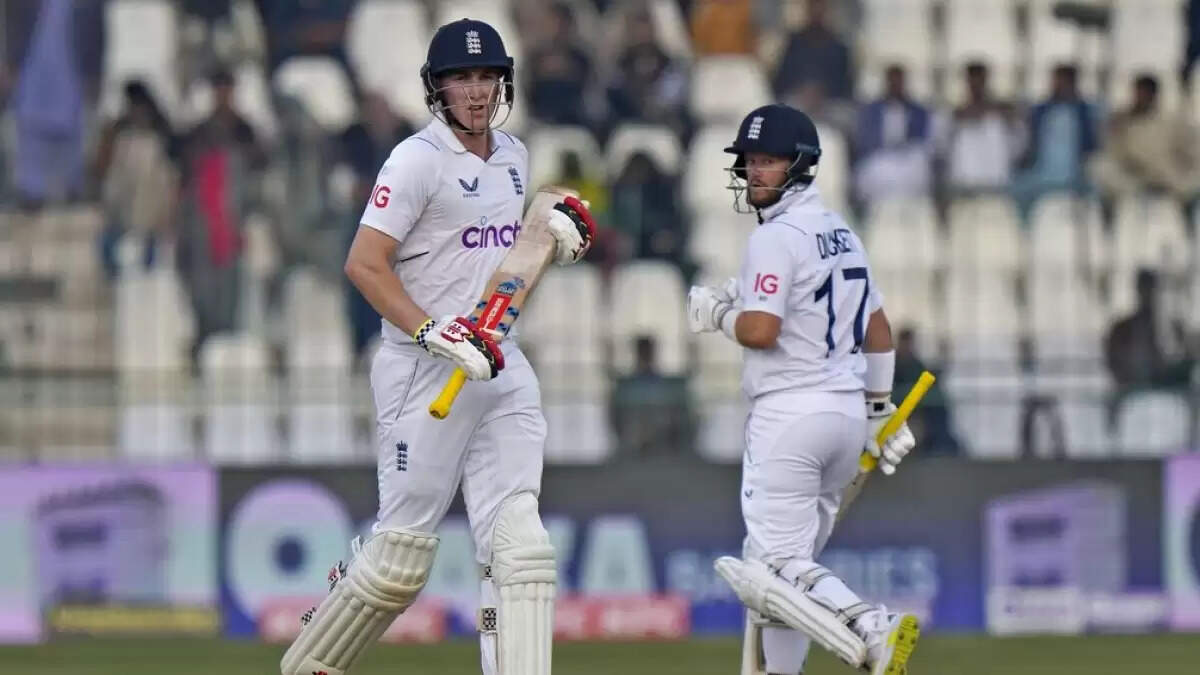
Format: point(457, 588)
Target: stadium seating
point(320, 85)
point(833, 169)
point(240, 405)
point(896, 31)
point(564, 330)
point(660, 143)
point(967, 41)
point(725, 88)
point(386, 41)
point(1153, 423)
point(705, 177)
point(546, 146)
point(1052, 41)
point(717, 243)
point(647, 298)
point(142, 43)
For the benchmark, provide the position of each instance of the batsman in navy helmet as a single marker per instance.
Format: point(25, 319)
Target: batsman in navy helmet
point(445, 211)
point(776, 152)
point(818, 366)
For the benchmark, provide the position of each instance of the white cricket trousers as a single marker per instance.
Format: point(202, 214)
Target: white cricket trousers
point(802, 450)
point(492, 442)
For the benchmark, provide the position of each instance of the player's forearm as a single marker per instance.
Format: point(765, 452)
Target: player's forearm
point(386, 294)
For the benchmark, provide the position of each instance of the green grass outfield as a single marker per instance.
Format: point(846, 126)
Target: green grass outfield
point(936, 655)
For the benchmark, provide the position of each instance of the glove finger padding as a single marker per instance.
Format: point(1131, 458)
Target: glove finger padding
point(457, 339)
point(573, 228)
point(486, 346)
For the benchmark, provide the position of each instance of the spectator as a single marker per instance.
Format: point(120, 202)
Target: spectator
point(651, 413)
point(982, 139)
point(930, 422)
point(814, 53)
point(365, 147)
point(595, 192)
point(560, 72)
point(645, 209)
point(1148, 149)
point(53, 53)
point(1062, 137)
point(219, 157)
point(723, 27)
point(307, 28)
point(648, 86)
point(893, 143)
point(1134, 348)
point(134, 167)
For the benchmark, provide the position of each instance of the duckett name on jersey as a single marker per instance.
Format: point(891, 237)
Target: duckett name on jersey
point(489, 236)
point(834, 242)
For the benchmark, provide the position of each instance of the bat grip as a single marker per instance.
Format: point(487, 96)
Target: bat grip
point(867, 461)
point(440, 408)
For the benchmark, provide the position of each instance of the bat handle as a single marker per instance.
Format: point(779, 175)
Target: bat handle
point(440, 408)
point(866, 461)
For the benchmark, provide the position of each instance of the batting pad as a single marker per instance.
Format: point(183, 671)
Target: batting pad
point(763, 591)
point(524, 576)
point(382, 581)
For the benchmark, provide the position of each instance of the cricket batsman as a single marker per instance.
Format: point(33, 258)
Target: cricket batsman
point(445, 209)
point(818, 366)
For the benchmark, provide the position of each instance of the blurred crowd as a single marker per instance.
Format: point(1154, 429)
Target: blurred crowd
point(178, 181)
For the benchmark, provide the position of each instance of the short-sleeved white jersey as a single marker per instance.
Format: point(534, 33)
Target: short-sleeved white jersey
point(454, 214)
point(806, 266)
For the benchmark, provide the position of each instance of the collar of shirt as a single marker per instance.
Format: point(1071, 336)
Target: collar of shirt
point(447, 136)
point(797, 198)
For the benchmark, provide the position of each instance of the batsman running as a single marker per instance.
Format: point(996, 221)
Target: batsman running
point(815, 340)
point(445, 210)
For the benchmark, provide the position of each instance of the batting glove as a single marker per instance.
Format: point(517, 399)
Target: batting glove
point(894, 447)
point(573, 228)
point(707, 306)
point(455, 338)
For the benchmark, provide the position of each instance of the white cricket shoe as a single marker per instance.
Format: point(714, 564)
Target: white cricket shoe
point(891, 639)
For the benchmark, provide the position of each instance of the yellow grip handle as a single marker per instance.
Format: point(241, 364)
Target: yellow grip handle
point(440, 408)
point(866, 461)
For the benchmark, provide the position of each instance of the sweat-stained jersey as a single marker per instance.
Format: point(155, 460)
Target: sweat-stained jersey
point(806, 266)
point(454, 214)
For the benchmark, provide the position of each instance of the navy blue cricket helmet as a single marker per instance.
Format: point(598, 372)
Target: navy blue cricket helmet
point(782, 131)
point(463, 44)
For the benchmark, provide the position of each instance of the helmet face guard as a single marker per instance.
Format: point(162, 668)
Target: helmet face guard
point(800, 174)
point(499, 97)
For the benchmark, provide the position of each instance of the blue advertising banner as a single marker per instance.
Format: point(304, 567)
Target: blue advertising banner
point(1010, 547)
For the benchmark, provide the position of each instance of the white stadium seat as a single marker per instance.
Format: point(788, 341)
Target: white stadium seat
point(722, 433)
point(563, 328)
point(1148, 35)
point(902, 234)
point(1053, 41)
point(833, 169)
point(142, 43)
point(387, 41)
point(987, 413)
point(896, 31)
point(705, 179)
point(1086, 428)
point(155, 431)
point(671, 28)
point(980, 308)
point(725, 87)
point(996, 46)
point(154, 325)
point(321, 86)
point(647, 298)
point(1153, 423)
point(984, 235)
point(717, 242)
point(239, 400)
point(578, 432)
point(1149, 232)
point(1065, 232)
point(659, 142)
point(546, 145)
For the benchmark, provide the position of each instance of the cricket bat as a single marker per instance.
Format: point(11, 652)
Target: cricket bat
point(866, 462)
point(511, 284)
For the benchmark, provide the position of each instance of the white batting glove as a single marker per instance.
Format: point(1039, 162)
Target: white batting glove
point(455, 338)
point(894, 447)
point(707, 306)
point(573, 228)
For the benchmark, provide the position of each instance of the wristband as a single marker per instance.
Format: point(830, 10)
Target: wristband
point(421, 332)
point(881, 370)
point(728, 321)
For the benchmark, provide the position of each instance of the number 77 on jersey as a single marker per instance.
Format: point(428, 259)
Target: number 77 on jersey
point(511, 283)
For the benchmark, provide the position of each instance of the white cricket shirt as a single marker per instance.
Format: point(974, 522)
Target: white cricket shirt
point(454, 214)
point(806, 266)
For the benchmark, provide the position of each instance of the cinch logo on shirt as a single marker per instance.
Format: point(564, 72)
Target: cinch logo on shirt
point(489, 236)
point(834, 242)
